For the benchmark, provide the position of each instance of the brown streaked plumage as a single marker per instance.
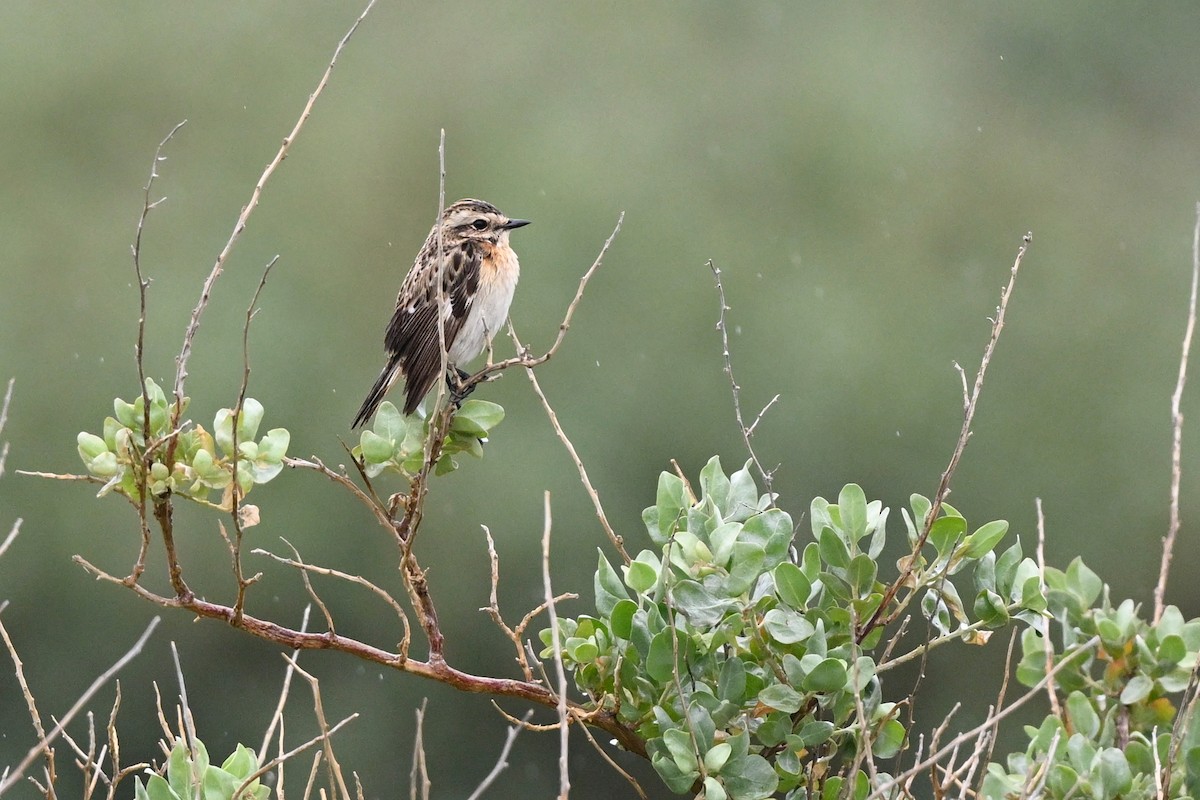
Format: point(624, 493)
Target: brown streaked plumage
point(479, 275)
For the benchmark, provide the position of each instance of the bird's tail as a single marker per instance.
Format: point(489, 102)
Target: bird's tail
point(378, 392)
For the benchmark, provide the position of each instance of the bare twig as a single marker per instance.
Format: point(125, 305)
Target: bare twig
point(139, 347)
point(943, 491)
point(613, 536)
point(1047, 645)
point(300, 564)
point(434, 669)
point(4, 421)
point(325, 737)
point(418, 776)
point(1164, 568)
point(235, 510)
point(747, 431)
point(564, 784)
point(30, 704)
point(501, 762)
point(937, 754)
point(277, 717)
point(240, 225)
point(637, 787)
point(15, 774)
point(12, 535)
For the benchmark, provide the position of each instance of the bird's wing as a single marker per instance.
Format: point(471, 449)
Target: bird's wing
point(412, 335)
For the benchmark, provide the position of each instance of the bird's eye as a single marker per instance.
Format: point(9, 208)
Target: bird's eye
point(479, 224)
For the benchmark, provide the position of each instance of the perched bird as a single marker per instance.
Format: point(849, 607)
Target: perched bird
point(479, 273)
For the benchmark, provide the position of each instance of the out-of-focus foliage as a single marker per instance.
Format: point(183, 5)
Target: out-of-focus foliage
point(861, 178)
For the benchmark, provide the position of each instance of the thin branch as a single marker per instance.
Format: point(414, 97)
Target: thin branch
point(418, 776)
point(1164, 568)
point(523, 358)
point(304, 566)
point(434, 669)
point(1047, 645)
point(235, 510)
point(747, 431)
point(501, 762)
point(4, 421)
point(139, 347)
point(564, 784)
point(30, 703)
point(12, 535)
point(15, 774)
point(240, 225)
point(613, 536)
point(331, 762)
point(936, 755)
point(637, 787)
point(277, 717)
point(964, 434)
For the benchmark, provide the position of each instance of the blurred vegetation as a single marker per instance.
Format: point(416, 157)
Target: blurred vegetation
point(861, 179)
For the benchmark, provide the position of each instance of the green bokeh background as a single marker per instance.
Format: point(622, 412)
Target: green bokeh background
point(862, 179)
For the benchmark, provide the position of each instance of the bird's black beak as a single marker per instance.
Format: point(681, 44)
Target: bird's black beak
point(515, 223)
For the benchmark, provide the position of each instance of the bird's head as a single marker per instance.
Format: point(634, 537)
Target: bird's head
point(477, 220)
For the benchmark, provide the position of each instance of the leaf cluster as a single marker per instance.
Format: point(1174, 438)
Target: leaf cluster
point(191, 463)
point(397, 443)
point(189, 776)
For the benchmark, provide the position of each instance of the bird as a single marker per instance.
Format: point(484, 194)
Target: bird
point(469, 248)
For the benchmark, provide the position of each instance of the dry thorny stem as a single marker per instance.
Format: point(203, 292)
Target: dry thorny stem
point(42, 746)
point(970, 404)
point(1160, 589)
point(747, 431)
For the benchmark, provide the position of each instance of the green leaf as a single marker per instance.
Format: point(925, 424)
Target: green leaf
point(815, 733)
point(1111, 776)
point(714, 789)
point(731, 685)
point(990, 609)
point(833, 550)
point(984, 539)
point(772, 531)
point(717, 757)
point(828, 676)
point(852, 503)
point(1083, 717)
point(660, 663)
point(787, 627)
point(861, 575)
point(743, 494)
point(745, 565)
point(159, 789)
point(750, 778)
point(946, 533)
point(1137, 689)
point(675, 779)
point(1171, 650)
point(642, 573)
point(249, 419)
point(621, 618)
point(791, 585)
point(715, 486)
point(679, 745)
point(702, 608)
point(477, 418)
point(782, 697)
point(889, 739)
point(669, 504)
point(90, 446)
point(274, 445)
point(241, 763)
point(608, 586)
